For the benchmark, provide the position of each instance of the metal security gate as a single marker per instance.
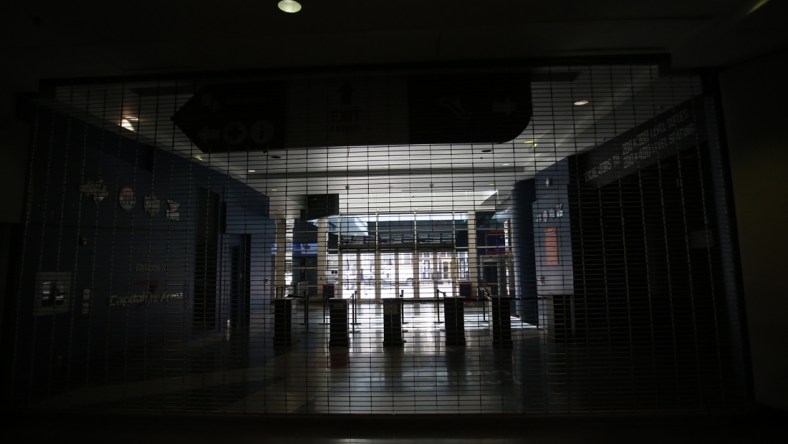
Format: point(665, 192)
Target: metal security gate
point(521, 239)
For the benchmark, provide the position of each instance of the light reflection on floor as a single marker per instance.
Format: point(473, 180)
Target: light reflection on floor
point(243, 373)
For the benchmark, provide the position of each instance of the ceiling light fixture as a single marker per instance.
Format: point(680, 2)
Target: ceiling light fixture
point(581, 102)
point(758, 4)
point(289, 6)
point(252, 171)
point(126, 124)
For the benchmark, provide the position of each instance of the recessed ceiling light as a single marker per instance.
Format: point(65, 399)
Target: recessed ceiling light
point(581, 102)
point(198, 157)
point(289, 6)
point(274, 189)
point(126, 124)
point(506, 164)
point(757, 6)
point(252, 171)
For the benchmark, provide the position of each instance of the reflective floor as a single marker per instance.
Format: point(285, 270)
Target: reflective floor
point(237, 387)
point(753, 427)
point(242, 373)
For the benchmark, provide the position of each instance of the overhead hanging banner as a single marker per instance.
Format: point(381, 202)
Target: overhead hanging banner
point(680, 127)
point(358, 110)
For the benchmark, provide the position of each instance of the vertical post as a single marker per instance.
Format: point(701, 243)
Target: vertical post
point(359, 275)
point(454, 311)
point(433, 273)
point(353, 308)
point(502, 328)
point(392, 329)
point(473, 253)
point(322, 257)
point(509, 265)
point(282, 310)
point(305, 296)
point(415, 260)
point(402, 303)
point(455, 263)
point(280, 260)
point(338, 329)
point(438, 305)
point(377, 264)
point(396, 272)
point(339, 291)
point(484, 305)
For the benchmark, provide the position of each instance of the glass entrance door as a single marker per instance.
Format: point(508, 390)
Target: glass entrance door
point(440, 273)
point(435, 271)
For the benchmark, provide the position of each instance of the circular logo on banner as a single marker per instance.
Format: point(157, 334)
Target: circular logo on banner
point(126, 198)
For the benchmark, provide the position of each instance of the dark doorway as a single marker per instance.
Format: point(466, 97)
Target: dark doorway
point(239, 281)
point(205, 265)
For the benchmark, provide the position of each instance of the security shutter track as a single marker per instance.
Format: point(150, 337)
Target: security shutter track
point(536, 239)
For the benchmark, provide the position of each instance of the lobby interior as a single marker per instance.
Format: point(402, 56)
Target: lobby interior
point(357, 282)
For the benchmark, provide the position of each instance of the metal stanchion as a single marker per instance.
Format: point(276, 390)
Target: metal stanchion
point(392, 329)
point(325, 304)
point(454, 314)
point(305, 295)
point(438, 304)
point(353, 309)
point(324, 312)
point(338, 328)
point(502, 329)
point(282, 332)
point(402, 309)
point(485, 298)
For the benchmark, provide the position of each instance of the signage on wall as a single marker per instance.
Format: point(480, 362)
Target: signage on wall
point(172, 210)
point(95, 189)
point(490, 107)
point(144, 298)
point(551, 246)
point(150, 295)
point(126, 198)
point(152, 205)
point(647, 143)
point(52, 293)
point(556, 212)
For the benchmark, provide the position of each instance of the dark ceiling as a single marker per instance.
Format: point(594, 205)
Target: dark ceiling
point(46, 39)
